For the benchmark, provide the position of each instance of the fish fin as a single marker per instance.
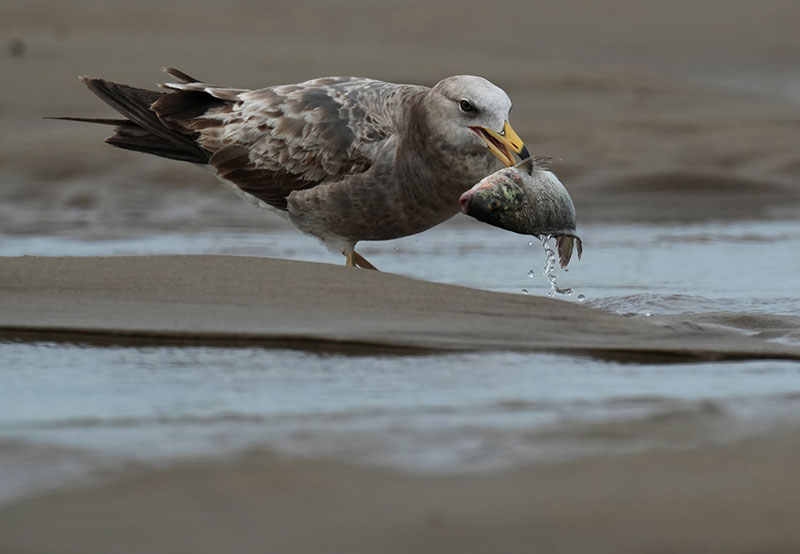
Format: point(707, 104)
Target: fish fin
point(526, 165)
point(565, 244)
point(529, 165)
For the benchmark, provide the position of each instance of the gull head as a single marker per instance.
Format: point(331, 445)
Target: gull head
point(471, 113)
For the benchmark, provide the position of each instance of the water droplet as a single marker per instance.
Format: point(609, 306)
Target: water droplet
point(524, 291)
point(581, 298)
point(531, 274)
point(550, 266)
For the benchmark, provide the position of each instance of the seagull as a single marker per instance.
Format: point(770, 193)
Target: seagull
point(345, 159)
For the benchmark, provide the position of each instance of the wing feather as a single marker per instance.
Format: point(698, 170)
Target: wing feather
point(272, 141)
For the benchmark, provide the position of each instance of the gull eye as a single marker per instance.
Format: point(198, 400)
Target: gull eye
point(466, 106)
point(494, 205)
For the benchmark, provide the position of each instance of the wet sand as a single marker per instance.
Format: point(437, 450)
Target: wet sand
point(258, 301)
point(738, 498)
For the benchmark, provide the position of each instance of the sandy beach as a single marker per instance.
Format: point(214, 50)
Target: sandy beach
point(280, 303)
point(673, 124)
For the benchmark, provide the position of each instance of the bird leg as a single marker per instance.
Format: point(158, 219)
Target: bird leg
point(354, 259)
point(362, 262)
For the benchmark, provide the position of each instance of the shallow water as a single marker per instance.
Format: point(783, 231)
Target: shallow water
point(67, 410)
point(657, 269)
point(70, 412)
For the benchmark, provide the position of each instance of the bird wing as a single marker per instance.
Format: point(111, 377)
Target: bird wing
point(272, 141)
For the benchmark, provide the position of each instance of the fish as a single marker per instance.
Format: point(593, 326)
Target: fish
point(527, 199)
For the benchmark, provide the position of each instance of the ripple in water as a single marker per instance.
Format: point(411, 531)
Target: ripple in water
point(663, 303)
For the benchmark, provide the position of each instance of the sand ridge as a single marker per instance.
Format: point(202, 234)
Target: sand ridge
point(271, 302)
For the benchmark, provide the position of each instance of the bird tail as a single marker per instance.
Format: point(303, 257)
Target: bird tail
point(142, 130)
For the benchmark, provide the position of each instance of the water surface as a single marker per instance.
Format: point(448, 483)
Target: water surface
point(69, 413)
point(658, 269)
point(68, 410)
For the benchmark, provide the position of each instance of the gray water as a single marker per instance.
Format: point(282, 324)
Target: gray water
point(69, 413)
point(658, 269)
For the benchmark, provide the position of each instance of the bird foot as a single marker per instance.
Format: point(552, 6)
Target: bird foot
point(354, 259)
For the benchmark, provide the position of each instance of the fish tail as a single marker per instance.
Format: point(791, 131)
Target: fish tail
point(565, 245)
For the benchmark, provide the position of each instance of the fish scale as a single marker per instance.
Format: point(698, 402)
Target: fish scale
point(529, 200)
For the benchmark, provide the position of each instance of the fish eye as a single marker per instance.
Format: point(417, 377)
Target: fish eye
point(494, 205)
point(466, 106)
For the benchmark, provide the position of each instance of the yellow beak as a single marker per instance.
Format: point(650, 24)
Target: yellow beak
point(502, 144)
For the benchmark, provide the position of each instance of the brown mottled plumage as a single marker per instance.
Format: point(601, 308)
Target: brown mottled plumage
point(345, 158)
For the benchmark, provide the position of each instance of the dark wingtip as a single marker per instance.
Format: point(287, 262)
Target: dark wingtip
point(180, 75)
point(92, 83)
point(101, 121)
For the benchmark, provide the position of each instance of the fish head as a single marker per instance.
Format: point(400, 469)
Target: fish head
point(529, 200)
point(498, 199)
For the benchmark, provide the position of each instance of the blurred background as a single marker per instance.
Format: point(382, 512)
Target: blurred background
point(626, 95)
